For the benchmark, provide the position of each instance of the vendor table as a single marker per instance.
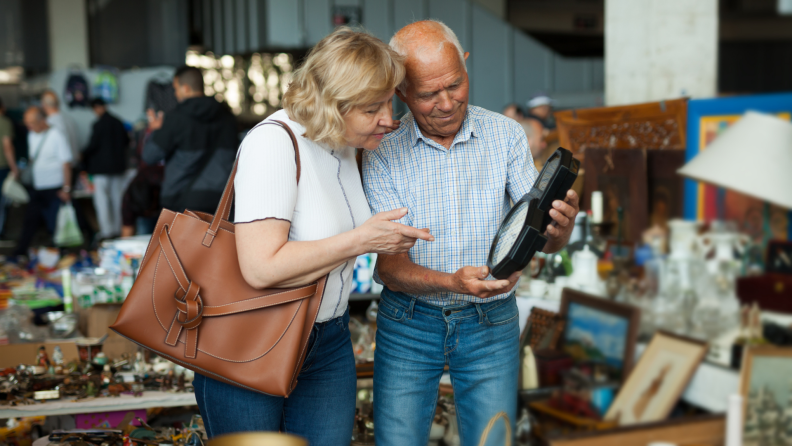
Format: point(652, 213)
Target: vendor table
point(104, 404)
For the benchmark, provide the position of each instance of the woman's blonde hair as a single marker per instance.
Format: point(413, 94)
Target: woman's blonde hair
point(346, 69)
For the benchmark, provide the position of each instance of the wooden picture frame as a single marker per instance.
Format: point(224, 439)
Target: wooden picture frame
point(629, 313)
point(657, 380)
point(775, 364)
point(696, 430)
point(621, 176)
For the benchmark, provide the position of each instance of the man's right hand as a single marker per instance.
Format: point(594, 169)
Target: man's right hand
point(472, 280)
point(154, 119)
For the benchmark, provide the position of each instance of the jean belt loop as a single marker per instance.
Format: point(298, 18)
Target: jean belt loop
point(411, 309)
point(480, 312)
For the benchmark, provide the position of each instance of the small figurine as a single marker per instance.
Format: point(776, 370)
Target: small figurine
point(167, 381)
point(100, 359)
point(42, 359)
point(90, 389)
point(181, 383)
point(57, 358)
point(107, 375)
point(139, 364)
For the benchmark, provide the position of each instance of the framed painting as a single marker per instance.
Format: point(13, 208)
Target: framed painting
point(658, 379)
point(767, 395)
point(599, 332)
point(706, 119)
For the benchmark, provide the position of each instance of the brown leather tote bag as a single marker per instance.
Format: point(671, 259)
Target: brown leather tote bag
point(191, 305)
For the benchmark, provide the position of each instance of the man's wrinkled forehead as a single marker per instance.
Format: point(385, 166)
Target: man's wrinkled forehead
point(439, 65)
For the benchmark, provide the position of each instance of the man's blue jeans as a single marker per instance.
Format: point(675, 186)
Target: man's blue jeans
point(415, 340)
point(321, 408)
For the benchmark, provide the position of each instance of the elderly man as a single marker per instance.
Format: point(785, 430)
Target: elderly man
point(56, 119)
point(50, 159)
point(455, 167)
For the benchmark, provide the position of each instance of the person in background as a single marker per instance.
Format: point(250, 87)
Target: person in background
point(7, 157)
point(197, 141)
point(535, 132)
point(50, 158)
point(105, 159)
point(454, 167)
point(51, 106)
point(540, 107)
point(513, 111)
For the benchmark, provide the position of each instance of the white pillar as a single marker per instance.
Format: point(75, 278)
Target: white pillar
point(68, 34)
point(660, 49)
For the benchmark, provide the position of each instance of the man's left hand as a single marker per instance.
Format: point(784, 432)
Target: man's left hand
point(64, 196)
point(563, 215)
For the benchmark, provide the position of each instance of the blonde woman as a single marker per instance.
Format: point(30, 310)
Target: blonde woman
point(290, 234)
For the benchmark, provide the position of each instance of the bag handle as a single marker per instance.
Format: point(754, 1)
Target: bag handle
point(224, 207)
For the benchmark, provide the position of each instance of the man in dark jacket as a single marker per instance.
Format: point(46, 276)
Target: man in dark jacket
point(105, 159)
point(197, 141)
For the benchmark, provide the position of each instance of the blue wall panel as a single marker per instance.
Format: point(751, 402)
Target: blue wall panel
point(378, 18)
point(318, 18)
point(455, 14)
point(284, 24)
point(489, 64)
point(408, 11)
point(532, 68)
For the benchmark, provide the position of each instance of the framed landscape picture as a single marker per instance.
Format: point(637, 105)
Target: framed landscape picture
point(599, 332)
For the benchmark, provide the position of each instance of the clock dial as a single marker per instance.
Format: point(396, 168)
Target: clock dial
point(510, 230)
point(547, 172)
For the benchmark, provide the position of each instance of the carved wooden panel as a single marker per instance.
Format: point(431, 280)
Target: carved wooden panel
point(656, 125)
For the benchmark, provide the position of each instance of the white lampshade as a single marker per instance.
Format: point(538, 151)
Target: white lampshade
point(753, 157)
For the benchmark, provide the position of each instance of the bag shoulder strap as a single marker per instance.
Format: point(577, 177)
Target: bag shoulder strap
point(38, 148)
point(224, 207)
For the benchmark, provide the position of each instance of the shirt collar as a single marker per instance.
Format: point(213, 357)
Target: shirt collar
point(469, 129)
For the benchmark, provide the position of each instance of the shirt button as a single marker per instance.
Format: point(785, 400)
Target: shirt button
point(447, 312)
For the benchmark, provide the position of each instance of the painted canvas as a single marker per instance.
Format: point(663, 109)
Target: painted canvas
point(597, 337)
point(768, 408)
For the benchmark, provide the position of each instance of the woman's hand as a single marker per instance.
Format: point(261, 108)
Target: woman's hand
point(382, 236)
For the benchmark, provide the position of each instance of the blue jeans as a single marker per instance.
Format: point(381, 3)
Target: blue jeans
point(415, 340)
point(321, 408)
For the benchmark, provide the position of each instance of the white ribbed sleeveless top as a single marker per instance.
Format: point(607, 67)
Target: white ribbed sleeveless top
point(328, 201)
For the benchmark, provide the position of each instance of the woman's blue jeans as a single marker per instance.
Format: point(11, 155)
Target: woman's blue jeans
point(415, 341)
point(321, 408)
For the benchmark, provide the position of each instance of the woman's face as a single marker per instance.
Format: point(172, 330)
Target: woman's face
point(366, 124)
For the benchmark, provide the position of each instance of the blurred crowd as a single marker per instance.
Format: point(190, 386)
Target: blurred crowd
point(180, 156)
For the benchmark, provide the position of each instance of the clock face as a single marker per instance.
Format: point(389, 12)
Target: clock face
point(509, 232)
point(547, 172)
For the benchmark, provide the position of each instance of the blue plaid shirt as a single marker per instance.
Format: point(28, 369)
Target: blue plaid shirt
point(461, 194)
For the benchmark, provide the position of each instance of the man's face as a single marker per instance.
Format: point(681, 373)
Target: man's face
point(536, 142)
point(179, 90)
point(99, 110)
point(33, 122)
point(437, 91)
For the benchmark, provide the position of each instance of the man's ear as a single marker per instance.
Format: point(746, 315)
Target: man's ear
point(401, 96)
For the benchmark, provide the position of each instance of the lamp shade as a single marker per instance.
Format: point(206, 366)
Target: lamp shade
point(753, 157)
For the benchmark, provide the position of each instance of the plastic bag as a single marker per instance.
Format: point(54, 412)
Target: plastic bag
point(67, 231)
point(14, 190)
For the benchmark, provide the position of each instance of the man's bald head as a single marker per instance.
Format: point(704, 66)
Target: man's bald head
point(35, 119)
point(50, 102)
point(425, 39)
